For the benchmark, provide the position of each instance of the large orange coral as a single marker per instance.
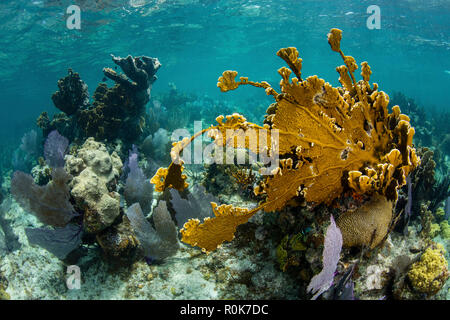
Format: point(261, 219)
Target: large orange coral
point(329, 139)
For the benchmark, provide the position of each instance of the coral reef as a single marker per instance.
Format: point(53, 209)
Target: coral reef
point(331, 255)
point(159, 242)
point(96, 173)
point(116, 112)
point(343, 153)
point(72, 94)
point(430, 273)
point(137, 187)
point(41, 173)
point(330, 140)
point(368, 225)
point(49, 203)
point(119, 244)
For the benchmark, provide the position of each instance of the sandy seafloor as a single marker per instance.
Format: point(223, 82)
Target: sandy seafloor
point(240, 269)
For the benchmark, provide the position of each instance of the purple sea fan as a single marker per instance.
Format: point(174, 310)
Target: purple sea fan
point(137, 187)
point(59, 241)
point(55, 149)
point(331, 254)
point(49, 203)
point(159, 242)
point(29, 142)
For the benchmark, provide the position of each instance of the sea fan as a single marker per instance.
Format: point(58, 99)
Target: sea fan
point(159, 242)
point(331, 254)
point(49, 203)
point(55, 149)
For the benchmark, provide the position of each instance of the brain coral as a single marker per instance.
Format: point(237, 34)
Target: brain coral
point(329, 139)
point(367, 225)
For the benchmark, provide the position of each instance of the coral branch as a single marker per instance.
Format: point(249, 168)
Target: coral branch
point(330, 140)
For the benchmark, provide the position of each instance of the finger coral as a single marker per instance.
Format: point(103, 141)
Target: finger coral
point(329, 139)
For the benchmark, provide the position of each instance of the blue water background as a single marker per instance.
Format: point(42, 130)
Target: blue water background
point(196, 40)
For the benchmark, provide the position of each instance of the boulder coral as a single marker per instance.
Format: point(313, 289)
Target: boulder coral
point(95, 173)
point(329, 140)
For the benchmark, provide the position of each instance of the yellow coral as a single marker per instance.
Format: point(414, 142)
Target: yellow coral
point(445, 229)
point(430, 273)
point(334, 39)
point(213, 231)
point(368, 225)
point(290, 55)
point(435, 229)
point(171, 177)
point(440, 213)
point(282, 255)
point(329, 138)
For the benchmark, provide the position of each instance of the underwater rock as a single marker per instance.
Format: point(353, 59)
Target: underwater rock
point(95, 174)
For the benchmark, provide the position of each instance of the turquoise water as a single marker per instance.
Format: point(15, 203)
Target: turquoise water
point(197, 40)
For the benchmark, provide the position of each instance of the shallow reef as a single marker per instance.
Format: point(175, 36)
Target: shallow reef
point(349, 198)
point(116, 112)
